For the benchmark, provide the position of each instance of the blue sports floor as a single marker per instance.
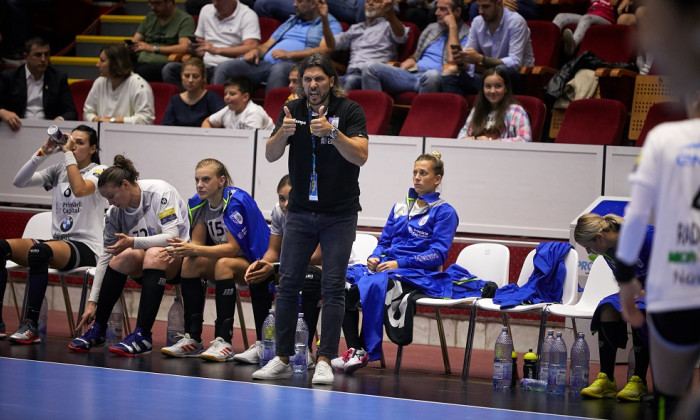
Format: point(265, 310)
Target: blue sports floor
point(47, 390)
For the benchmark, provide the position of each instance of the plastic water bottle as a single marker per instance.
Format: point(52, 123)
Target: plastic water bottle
point(301, 340)
point(530, 365)
point(544, 357)
point(580, 357)
point(113, 335)
point(556, 374)
point(268, 339)
point(41, 325)
point(176, 322)
point(535, 385)
point(514, 374)
point(503, 362)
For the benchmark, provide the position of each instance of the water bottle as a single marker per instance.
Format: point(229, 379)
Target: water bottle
point(536, 385)
point(530, 365)
point(301, 340)
point(268, 339)
point(503, 362)
point(514, 374)
point(42, 318)
point(176, 322)
point(113, 335)
point(556, 374)
point(544, 357)
point(580, 356)
point(55, 133)
point(630, 364)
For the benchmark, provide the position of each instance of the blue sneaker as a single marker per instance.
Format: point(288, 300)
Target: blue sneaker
point(94, 337)
point(134, 344)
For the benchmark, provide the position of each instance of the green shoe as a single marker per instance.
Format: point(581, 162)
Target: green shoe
point(634, 390)
point(600, 388)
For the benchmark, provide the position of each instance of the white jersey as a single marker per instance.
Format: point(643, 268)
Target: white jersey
point(277, 221)
point(76, 218)
point(669, 165)
point(253, 117)
point(161, 215)
point(213, 220)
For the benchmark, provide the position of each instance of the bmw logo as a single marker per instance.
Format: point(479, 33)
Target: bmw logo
point(67, 224)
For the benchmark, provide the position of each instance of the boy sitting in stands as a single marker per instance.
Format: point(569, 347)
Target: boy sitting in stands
point(240, 112)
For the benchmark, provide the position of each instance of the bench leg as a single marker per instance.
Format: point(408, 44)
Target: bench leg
point(470, 342)
point(69, 307)
point(443, 342)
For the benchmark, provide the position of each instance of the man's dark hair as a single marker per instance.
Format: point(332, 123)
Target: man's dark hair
point(326, 65)
point(243, 84)
point(37, 40)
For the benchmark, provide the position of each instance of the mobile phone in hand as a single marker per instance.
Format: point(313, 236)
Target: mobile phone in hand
point(193, 39)
point(456, 47)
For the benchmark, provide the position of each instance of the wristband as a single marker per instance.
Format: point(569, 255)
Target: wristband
point(156, 49)
point(69, 158)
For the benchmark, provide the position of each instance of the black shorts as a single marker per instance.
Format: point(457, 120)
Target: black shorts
point(80, 254)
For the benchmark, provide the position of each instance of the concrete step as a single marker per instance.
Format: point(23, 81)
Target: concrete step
point(140, 7)
point(77, 67)
point(120, 25)
point(91, 45)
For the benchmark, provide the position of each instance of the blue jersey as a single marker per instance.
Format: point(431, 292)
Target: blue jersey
point(642, 266)
point(418, 238)
point(243, 219)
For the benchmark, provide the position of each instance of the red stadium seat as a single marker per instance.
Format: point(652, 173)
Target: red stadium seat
point(377, 106)
point(537, 112)
point(274, 100)
point(219, 89)
point(435, 115)
point(593, 121)
point(546, 42)
point(267, 27)
point(162, 92)
point(660, 113)
point(79, 90)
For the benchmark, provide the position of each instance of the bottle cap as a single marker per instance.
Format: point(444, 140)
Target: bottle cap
point(530, 355)
point(514, 355)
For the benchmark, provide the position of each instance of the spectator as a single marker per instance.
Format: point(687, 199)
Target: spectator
point(294, 40)
point(496, 115)
point(293, 82)
point(372, 41)
point(261, 273)
point(164, 31)
point(196, 103)
point(498, 37)
point(323, 208)
point(119, 95)
point(240, 112)
point(228, 232)
point(349, 11)
point(225, 29)
point(35, 89)
point(422, 72)
point(599, 12)
point(76, 234)
point(525, 8)
point(142, 215)
point(599, 235)
point(414, 244)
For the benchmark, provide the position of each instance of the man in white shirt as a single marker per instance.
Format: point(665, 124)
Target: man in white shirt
point(226, 29)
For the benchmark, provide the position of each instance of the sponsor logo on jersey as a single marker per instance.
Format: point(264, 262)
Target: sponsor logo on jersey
point(689, 155)
point(163, 201)
point(236, 217)
point(66, 224)
point(688, 234)
point(97, 172)
point(67, 192)
point(73, 207)
point(167, 215)
point(300, 122)
point(418, 233)
point(423, 220)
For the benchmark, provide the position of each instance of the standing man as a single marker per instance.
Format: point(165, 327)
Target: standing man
point(498, 37)
point(226, 29)
point(293, 41)
point(35, 90)
point(375, 40)
point(164, 31)
point(327, 138)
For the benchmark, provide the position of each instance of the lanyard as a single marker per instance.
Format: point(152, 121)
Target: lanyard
point(313, 144)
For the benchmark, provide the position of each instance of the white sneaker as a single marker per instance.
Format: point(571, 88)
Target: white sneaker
point(250, 356)
point(310, 362)
point(339, 362)
point(219, 351)
point(323, 374)
point(359, 359)
point(274, 369)
point(185, 347)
